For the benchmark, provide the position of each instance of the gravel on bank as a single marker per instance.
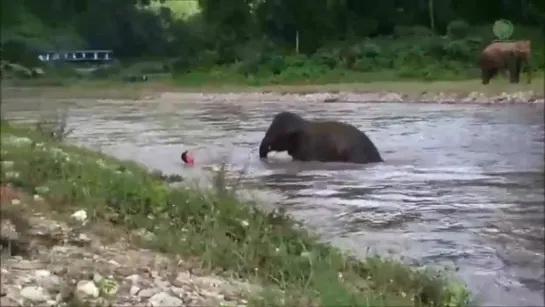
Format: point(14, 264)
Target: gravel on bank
point(58, 262)
point(148, 92)
point(523, 97)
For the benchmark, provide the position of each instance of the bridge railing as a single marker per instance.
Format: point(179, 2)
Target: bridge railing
point(77, 56)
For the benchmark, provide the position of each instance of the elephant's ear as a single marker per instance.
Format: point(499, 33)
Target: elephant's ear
point(294, 127)
point(293, 132)
point(293, 141)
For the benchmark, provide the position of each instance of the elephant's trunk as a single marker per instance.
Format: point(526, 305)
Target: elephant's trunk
point(263, 149)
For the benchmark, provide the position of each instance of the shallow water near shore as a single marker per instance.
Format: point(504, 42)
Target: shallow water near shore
point(462, 185)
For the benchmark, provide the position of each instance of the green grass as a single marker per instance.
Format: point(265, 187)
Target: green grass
point(215, 227)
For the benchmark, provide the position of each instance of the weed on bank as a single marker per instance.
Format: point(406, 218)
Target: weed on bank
point(213, 226)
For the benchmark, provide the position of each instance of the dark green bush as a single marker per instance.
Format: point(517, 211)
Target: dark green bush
point(411, 52)
point(458, 29)
point(412, 31)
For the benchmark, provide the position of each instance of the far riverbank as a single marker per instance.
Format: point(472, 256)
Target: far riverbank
point(470, 91)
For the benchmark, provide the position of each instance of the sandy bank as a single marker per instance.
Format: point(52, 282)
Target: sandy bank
point(526, 97)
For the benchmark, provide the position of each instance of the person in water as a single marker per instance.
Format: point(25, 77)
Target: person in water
point(187, 158)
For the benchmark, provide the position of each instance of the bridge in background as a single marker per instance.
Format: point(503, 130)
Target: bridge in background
point(77, 56)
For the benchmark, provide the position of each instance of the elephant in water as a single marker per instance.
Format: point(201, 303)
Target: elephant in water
point(325, 141)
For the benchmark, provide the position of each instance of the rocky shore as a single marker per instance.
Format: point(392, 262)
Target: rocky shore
point(48, 261)
point(526, 97)
point(488, 96)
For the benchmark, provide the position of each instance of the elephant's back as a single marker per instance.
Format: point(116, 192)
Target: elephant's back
point(500, 48)
point(341, 134)
point(334, 127)
point(332, 132)
point(340, 141)
point(492, 55)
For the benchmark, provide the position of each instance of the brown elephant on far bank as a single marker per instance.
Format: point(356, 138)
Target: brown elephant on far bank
point(500, 56)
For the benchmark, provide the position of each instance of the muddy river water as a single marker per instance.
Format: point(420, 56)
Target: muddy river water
point(462, 185)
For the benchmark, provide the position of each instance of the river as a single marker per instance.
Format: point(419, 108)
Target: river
point(462, 185)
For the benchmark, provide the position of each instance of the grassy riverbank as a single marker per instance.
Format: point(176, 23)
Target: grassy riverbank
point(224, 234)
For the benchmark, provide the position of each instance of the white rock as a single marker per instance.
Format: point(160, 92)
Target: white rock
point(147, 293)
point(80, 216)
point(180, 292)
point(46, 279)
point(134, 290)
point(183, 277)
point(161, 284)
point(113, 262)
point(164, 299)
point(15, 201)
point(134, 278)
point(86, 289)
point(35, 294)
point(217, 296)
point(38, 197)
point(84, 238)
point(97, 277)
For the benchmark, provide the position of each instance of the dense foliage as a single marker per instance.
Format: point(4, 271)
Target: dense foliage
point(276, 38)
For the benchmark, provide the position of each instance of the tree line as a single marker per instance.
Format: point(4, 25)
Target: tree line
point(273, 35)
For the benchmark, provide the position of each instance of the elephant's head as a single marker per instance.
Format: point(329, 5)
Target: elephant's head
point(283, 134)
